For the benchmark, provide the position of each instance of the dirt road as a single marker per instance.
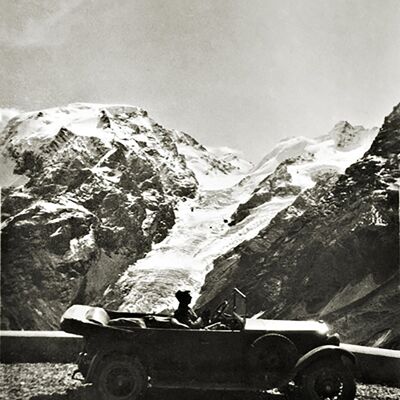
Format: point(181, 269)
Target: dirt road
point(53, 382)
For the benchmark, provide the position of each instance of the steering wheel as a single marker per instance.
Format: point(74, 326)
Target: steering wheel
point(219, 310)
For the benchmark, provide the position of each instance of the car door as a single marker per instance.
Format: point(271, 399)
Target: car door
point(195, 358)
point(219, 358)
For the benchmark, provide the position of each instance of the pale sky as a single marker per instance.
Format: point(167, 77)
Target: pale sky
point(243, 74)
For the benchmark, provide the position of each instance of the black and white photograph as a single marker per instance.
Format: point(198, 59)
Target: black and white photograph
point(200, 199)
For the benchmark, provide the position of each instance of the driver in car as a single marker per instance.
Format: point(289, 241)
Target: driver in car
point(184, 314)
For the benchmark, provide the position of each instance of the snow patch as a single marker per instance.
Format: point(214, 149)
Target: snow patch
point(5, 115)
point(146, 224)
point(377, 218)
point(80, 247)
point(7, 176)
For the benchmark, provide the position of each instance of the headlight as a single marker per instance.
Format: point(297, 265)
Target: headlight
point(322, 328)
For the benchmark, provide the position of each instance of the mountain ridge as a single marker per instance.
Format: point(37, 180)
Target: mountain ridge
point(100, 186)
point(124, 211)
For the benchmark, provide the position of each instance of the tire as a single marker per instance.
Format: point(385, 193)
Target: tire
point(272, 358)
point(120, 378)
point(327, 380)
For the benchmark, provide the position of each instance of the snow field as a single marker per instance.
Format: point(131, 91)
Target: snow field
point(200, 234)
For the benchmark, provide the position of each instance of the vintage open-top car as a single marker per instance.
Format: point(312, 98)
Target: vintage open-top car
point(125, 353)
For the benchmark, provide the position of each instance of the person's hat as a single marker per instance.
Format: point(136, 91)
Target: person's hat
point(182, 294)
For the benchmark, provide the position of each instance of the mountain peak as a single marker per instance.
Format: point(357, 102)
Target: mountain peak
point(342, 125)
point(347, 137)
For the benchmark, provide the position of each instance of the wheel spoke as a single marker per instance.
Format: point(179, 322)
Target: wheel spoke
point(119, 382)
point(327, 380)
point(120, 378)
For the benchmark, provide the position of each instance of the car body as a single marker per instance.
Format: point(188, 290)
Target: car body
point(126, 352)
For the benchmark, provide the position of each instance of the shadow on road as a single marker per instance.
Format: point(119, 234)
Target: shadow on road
point(87, 393)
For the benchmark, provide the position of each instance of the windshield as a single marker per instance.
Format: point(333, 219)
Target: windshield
point(239, 304)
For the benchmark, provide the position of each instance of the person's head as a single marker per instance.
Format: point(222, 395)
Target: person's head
point(183, 297)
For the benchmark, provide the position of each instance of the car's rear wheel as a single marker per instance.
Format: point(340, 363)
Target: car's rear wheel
point(327, 380)
point(120, 378)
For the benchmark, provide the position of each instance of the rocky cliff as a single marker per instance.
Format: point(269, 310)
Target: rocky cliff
point(86, 190)
point(332, 254)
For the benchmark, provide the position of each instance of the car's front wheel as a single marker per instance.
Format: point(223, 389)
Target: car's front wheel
point(327, 380)
point(120, 378)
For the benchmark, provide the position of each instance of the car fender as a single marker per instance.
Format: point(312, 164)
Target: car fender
point(93, 365)
point(322, 352)
point(264, 338)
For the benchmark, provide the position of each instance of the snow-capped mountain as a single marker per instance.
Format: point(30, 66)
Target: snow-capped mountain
point(299, 163)
point(333, 254)
point(86, 190)
point(105, 206)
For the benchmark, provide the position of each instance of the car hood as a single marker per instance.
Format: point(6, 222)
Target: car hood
point(285, 325)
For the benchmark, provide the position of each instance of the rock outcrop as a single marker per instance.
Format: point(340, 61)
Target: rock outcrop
point(333, 254)
point(279, 183)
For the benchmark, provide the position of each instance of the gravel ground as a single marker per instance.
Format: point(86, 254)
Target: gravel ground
point(53, 382)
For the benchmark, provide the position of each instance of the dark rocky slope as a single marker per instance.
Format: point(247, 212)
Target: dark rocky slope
point(333, 254)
